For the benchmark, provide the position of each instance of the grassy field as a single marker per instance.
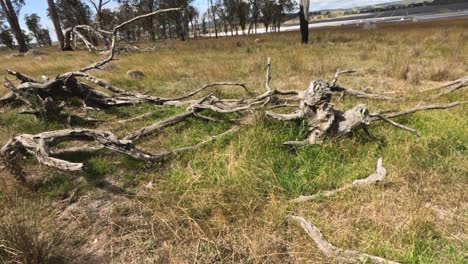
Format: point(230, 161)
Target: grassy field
point(228, 201)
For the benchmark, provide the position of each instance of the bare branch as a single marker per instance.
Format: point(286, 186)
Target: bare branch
point(393, 123)
point(338, 73)
point(463, 81)
point(360, 94)
point(149, 130)
point(341, 255)
point(452, 88)
point(268, 75)
point(204, 87)
point(21, 77)
point(377, 176)
point(285, 117)
point(296, 143)
point(135, 118)
point(421, 108)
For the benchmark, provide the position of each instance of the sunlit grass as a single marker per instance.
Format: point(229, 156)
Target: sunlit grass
point(228, 201)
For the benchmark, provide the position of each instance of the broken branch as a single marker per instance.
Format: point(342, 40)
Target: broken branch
point(377, 176)
point(341, 255)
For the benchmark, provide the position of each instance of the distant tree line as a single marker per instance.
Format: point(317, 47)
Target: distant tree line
point(228, 16)
point(409, 5)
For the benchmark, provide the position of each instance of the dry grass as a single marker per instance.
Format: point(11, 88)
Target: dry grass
point(228, 202)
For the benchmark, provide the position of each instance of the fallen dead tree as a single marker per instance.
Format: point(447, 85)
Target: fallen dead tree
point(114, 36)
point(85, 33)
point(377, 176)
point(68, 85)
point(329, 250)
point(48, 100)
point(39, 145)
point(315, 108)
point(65, 87)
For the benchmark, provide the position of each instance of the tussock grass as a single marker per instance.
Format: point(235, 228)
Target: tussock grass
point(228, 201)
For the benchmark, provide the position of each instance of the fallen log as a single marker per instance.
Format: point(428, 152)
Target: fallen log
point(39, 145)
point(67, 86)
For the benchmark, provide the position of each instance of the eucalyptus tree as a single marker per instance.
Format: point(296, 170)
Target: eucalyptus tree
point(33, 23)
point(73, 12)
point(99, 7)
point(6, 39)
point(53, 14)
point(10, 10)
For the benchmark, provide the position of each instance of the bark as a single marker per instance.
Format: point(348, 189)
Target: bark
point(10, 14)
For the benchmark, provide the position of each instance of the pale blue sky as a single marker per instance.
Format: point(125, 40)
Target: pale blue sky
point(40, 7)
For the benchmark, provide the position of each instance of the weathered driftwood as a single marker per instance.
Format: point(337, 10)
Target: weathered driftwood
point(316, 109)
point(39, 145)
point(339, 254)
point(315, 105)
point(377, 176)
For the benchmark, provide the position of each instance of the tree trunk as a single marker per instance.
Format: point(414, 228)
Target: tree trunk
point(58, 30)
point(214, 18)
point(10, 14)
point(304, 20)
point(150, 23)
